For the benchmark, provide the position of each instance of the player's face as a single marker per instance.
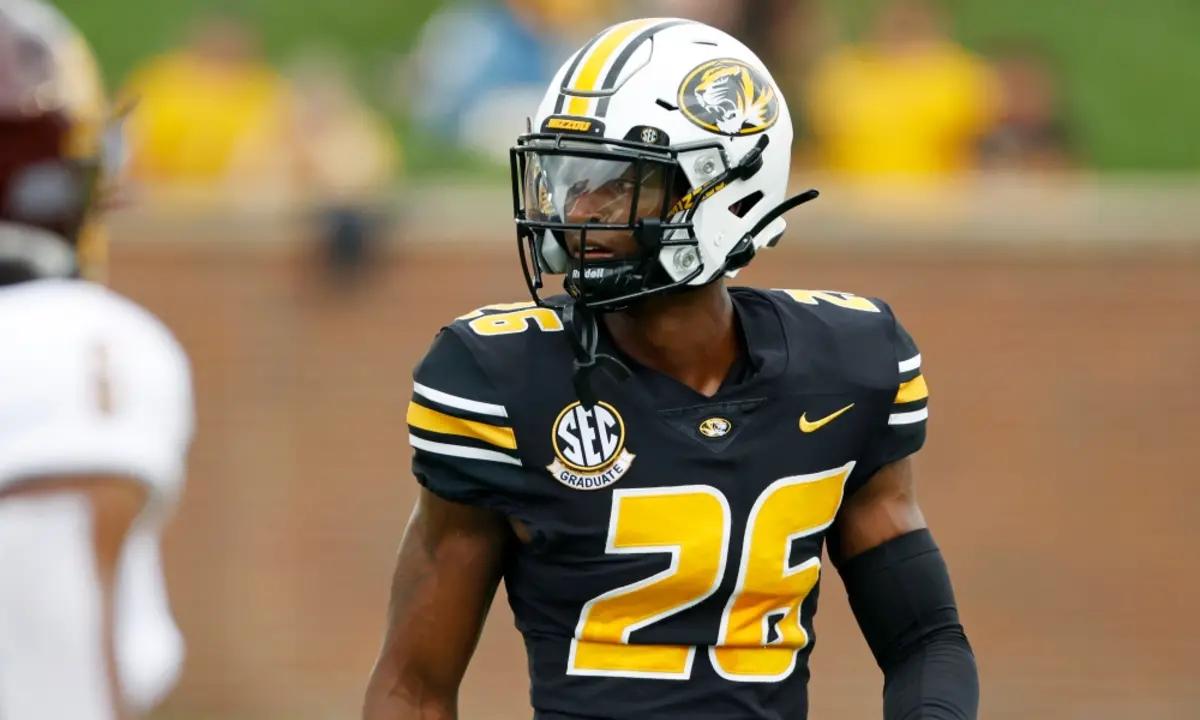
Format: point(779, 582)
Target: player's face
point(611, 203)
point(589, 190)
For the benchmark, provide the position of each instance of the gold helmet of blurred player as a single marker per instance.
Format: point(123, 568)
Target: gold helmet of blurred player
point(54, 119)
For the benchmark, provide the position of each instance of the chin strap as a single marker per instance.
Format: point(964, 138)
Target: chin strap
point(584, 334)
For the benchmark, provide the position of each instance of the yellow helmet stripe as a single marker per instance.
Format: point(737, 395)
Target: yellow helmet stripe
point(603, 51)
point(424, 418)
point(912, 390)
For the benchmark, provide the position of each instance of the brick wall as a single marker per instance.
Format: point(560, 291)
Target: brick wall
point(1059, 475)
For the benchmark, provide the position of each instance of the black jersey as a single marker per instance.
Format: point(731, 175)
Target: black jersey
point(676, 538)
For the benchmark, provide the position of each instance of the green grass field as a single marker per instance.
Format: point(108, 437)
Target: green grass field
point(1130, 69)
point(125, 31)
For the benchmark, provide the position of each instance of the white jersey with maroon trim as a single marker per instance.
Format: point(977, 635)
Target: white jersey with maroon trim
point(92, 384)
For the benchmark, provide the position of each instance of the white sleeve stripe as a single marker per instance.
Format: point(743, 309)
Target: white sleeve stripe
point(912, 363)
point(908, 418)
point(461, 451)
point(461, 403)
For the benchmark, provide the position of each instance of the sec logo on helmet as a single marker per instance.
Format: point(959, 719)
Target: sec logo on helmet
point(589, 447)
point(729, 97)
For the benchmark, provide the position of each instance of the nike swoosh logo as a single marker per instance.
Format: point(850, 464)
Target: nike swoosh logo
point(807, 427)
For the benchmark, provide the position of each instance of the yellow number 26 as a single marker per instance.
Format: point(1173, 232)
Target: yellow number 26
point(692, 524)
point(513, 318)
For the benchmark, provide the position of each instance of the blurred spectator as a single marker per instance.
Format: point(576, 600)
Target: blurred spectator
point(1029, 133)
point(342, 148)
point(205, 108)
point(344, 158)
point(482, 66)
point(732, 16)
point(790, 36)
point(908, 102)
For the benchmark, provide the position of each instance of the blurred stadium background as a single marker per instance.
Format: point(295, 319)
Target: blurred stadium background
point(1029, 201)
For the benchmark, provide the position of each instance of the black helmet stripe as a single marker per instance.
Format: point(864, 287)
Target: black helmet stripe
point(618, 65)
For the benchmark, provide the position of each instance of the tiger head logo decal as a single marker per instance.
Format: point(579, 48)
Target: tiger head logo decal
point(729, 97)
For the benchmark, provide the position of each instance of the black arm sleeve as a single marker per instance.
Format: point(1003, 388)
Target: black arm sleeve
point(901, 596)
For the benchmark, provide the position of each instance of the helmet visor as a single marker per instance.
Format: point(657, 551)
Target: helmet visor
point(579, 189)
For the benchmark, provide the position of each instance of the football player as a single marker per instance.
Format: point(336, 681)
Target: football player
point(654, 461)
point(95, 408)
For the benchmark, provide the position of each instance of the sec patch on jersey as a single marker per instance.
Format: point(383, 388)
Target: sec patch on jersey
point(589, 447)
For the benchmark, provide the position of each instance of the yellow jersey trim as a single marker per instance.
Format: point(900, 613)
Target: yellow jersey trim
point(424, 418)
point(912, 391)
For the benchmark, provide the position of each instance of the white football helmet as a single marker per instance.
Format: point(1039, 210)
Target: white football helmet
point(684, 135)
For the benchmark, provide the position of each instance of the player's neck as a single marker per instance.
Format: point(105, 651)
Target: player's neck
point(690, 336)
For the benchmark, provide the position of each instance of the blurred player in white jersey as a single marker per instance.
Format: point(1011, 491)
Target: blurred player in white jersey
point(95, 408)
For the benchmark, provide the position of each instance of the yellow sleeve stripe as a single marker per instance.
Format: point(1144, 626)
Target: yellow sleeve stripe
point(423, 418)
point(589, 73)
point(912, 390)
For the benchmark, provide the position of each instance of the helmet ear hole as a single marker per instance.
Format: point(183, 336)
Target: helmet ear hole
point(741, 207)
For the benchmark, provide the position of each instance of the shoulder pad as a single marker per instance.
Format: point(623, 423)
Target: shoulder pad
point(833, 303)
point(841, 335)
point(104, 387)
point(509, 319)
point(507, 339)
